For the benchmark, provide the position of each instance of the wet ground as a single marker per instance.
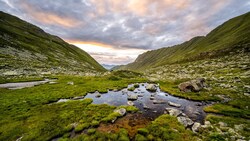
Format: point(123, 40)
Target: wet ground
point(20, 85)
point(191, 108)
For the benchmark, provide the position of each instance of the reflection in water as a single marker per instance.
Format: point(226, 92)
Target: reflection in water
point(190, 108)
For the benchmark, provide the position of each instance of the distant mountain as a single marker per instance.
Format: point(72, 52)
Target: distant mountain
point(107, 66)
point(26, 49)
point(226, 38)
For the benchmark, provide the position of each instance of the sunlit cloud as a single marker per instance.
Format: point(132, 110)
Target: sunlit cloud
point(106, 54)
point(117, 31)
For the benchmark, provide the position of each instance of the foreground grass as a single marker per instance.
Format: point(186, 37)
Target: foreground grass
point(32, 114)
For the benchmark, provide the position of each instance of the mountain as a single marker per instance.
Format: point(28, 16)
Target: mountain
point(108, 67)
point(226, 38)
point(25, 49)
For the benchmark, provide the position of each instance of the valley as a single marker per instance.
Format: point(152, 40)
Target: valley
point(51, 90)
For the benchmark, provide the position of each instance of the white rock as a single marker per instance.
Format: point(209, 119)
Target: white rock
point(196, 127)
point(174, 104)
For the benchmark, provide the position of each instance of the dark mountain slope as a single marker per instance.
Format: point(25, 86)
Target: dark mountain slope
point(27, 49)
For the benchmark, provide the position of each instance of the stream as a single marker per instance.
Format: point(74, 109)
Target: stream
point(150, 104)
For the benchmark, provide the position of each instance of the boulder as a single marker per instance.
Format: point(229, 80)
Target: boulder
point(132, 97)
point(185, 121)
point(196, 127)
point(174, 104)
point(193, 85)
point(151, 88)
point(121, 111)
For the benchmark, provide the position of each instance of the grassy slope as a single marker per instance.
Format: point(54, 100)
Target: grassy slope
point(24, 36)
point(228, 37)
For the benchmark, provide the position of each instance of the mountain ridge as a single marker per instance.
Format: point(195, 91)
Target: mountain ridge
point(33, 51)
point(228, 37)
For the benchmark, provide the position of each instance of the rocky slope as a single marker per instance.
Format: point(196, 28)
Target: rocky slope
point(27, 50)
point(230, 37)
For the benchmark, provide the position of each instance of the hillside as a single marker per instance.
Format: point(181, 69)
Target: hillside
point(27, 50)
point(226, 38)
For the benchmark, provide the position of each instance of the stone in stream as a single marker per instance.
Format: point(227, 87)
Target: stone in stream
point(132, 97)
point(159, 102)
point(185, 121)
point(173, 112)
point(121, 111)
point(130, 103)
point(145, 106)
point(151, 87)
point(152, 98)
point(98, 95)
point(174, 104)
point(140, 95)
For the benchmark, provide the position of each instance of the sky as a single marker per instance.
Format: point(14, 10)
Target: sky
point(117, 31)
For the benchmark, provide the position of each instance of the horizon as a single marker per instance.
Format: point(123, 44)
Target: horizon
point(116, 32)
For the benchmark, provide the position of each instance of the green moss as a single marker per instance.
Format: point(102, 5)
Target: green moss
point(164, 128)
point(143, 131)
point(140, 137)
point(91, 131)
point(81, 127)
point(130, 109)
point(95, 123)
point(136, 85)
point(131, 88)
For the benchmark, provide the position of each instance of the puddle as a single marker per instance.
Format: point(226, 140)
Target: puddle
point(151, 105)
point(20, 85)
point(146, 104)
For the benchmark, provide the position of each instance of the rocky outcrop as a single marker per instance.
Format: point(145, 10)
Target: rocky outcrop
point(151, 88)
point(192, 85)
point(185, 121)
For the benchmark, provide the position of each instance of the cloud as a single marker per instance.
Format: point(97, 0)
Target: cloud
point(126, 24)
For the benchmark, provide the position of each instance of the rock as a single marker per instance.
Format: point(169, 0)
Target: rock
point(130, 103)
point(145, 106)
point(159, 102)
point(132, 97)
point(9, 73)
point(140, 95)
point(151, 88)
point(222, 124)
point(185, 121)
point(52, 82)
point(98, 95)
point(239, 127)
point(193, 85)
point(196, 127)
point(174, 104)
point(173, 112)
point(70, 83)
point(78, 97)
point(121, 111)
point(152, 98)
